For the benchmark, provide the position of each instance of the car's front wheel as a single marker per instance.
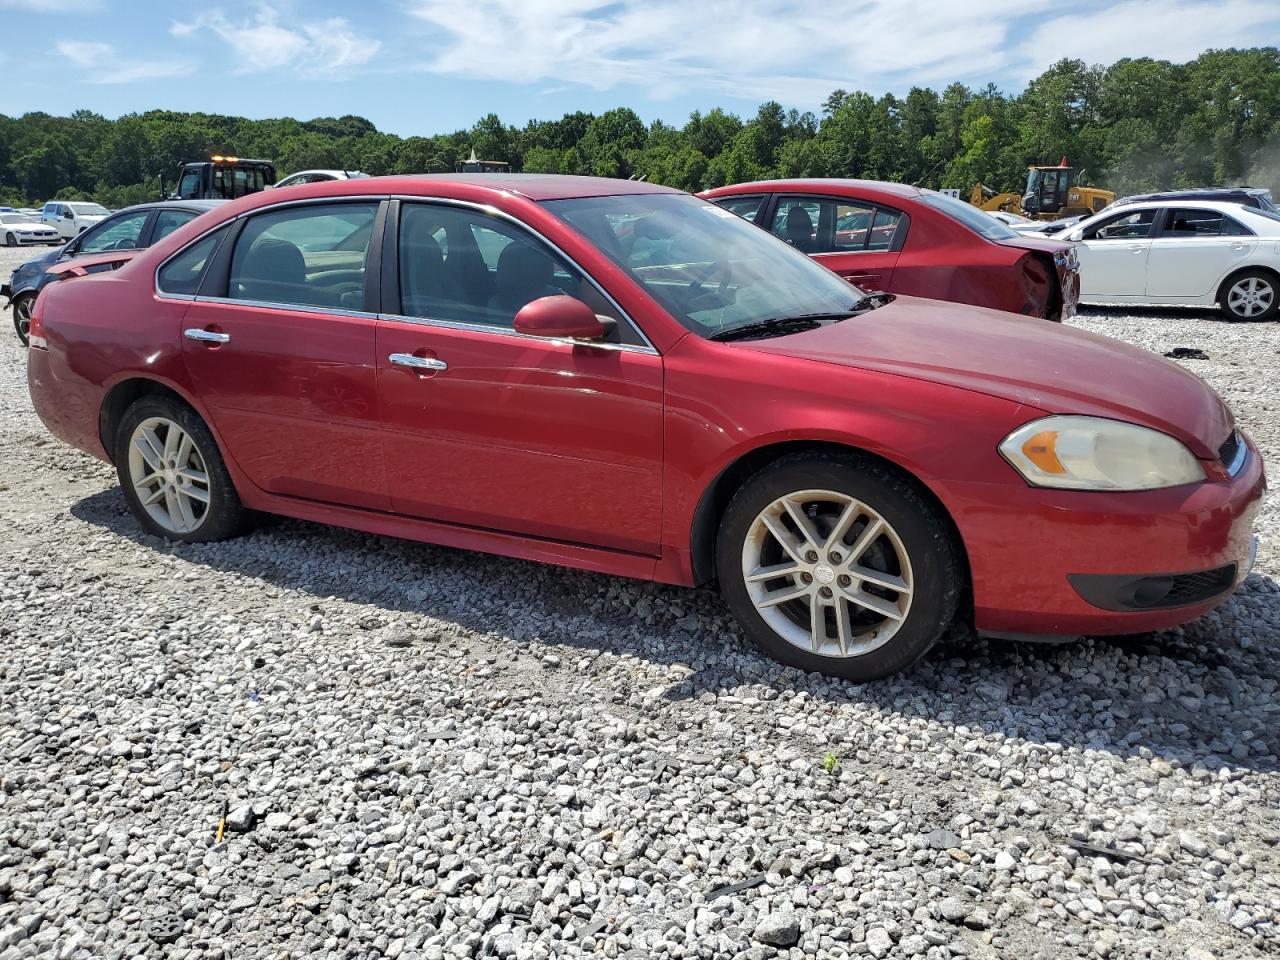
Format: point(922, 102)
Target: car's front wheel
point(22, 305)
point(838, 564)
point(10, 240)
point(1250, 295)
point(172, 474)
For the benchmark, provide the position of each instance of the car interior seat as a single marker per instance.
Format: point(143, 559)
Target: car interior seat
point(524, 274)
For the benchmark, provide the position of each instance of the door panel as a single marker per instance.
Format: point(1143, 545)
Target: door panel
point(532, 436)
point(867, 270)
point(293, 394)
point(1191, 266)
point(1113, 255)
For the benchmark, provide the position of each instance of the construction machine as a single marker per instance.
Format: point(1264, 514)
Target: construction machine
point(1051, 193)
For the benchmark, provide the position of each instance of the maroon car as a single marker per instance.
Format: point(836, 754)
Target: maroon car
point(889, 236)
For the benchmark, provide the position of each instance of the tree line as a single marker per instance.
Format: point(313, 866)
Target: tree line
point(1138, 124)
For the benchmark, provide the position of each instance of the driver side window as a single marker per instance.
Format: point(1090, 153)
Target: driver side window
point(1130, 226)
point(465, 266)
point(120, 234)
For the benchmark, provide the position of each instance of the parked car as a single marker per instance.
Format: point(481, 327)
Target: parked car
point(902, 239)
point(1196, 253)
point(1256, 197)
point(1013, 220)
point(73, 218)
point(9, 210)
point(132, 228)
point(616, 376)
point(317, 176)
point(1046, 228)
point(17, 229)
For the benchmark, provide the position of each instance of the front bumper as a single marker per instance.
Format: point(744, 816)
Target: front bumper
point(1026, 546)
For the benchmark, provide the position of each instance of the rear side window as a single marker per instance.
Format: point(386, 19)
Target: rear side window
point(835, 225)
point(168, 221)
point(183, 273)
point(310, 256)
point(746, 207)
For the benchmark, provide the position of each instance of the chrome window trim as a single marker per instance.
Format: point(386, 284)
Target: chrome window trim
point(519, 224)
point(646, 348)
point(510, 332)
point(290, 307)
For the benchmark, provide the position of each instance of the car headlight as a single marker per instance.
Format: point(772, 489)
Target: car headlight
point(1092, 453)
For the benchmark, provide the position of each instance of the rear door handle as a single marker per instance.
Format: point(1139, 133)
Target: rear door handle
point(416, 362)
point(206, 336)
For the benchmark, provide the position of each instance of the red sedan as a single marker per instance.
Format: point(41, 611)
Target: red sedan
point(620, 377)
point(889, 236)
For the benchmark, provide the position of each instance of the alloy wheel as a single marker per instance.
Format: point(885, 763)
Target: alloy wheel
point(1250, 297)
point(827, 573)
point(169, 475)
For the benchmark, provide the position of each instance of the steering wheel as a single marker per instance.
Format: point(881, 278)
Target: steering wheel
point(722, 288)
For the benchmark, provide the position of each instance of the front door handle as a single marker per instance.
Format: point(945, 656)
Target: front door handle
point(416, 362)
point(206, 336)
point(1138, 248)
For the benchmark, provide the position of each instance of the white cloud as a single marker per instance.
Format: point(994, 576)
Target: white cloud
point(48, 6)
point(1176, 30)
point(102, 63)
point(266, 44)
point(798, 51)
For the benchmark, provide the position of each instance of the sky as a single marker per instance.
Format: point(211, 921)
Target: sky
point(433, 66)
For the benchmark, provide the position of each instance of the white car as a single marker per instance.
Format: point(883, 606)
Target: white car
point(17, 229)
point(72, 217)
point(1010, 219)
point(1194, 253)
point(317, 176)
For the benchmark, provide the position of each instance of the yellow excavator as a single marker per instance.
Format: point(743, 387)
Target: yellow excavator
point(1050, 194)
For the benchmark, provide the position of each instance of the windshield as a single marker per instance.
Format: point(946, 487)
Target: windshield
point(89, 209)
point(976, 220)
point(709, 268)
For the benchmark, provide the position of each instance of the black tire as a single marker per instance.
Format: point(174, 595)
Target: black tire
point(1266, 281)
point(22, 305)
point(935, 558)
point(224, 517)
point(10, 240)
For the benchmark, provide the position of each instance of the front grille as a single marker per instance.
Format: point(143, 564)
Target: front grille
point(1232, 453)
point(1194, 587)
point(1155, 592)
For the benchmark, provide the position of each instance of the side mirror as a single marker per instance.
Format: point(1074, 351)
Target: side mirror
point(1075, 236)
point(68, 215)
point(559, 316)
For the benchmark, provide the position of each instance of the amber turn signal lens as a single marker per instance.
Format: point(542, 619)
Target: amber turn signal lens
point(1039, 449)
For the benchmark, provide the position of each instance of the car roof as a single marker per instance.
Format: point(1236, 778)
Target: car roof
point(535, 186)
point(198, 205)
point(822, 185)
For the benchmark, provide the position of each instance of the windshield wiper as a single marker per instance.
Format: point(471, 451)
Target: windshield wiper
point(779, 326)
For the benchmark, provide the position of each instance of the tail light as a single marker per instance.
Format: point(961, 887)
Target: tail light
point(1038, 282)
point(35, 335)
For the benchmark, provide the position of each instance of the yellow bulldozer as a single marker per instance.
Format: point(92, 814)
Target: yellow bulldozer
point(1051, 193)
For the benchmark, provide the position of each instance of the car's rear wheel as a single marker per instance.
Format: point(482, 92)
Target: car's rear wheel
point(172, 474)
point(1250, 295)
point(838, 565)
point(22, 305)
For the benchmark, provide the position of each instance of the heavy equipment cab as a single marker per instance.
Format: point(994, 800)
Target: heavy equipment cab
point(223, 178)
point(1051, 192)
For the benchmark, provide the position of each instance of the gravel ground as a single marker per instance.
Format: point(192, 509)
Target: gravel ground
point(428, 753)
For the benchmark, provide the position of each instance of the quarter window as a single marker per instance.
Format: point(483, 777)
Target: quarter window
point(1131, 226)
point(467, 267)
point(306, 256)
point(746, 207)
point(119, 234)
point(182, 274)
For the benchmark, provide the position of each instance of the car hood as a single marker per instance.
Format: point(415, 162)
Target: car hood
point(1036, 242)
point(1055, 368)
